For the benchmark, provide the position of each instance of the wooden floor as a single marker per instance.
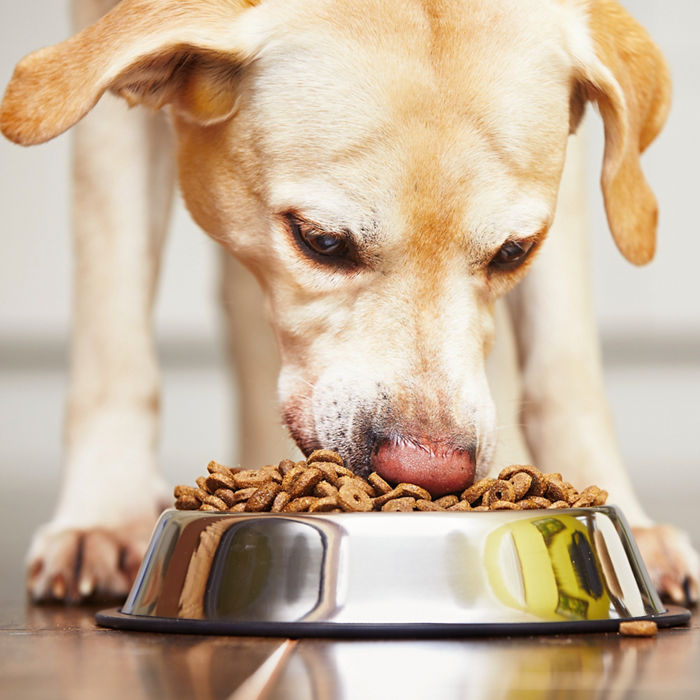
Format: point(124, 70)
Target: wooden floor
point(56, 652)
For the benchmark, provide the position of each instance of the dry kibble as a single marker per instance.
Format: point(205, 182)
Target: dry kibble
point(322, 484)
point(638, 628)
point(263, 497)
point(400, 505)
point(500, 491)
point(354, 499)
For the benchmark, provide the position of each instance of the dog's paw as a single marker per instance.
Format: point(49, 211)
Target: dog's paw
point(82, 565)
point(672, 562)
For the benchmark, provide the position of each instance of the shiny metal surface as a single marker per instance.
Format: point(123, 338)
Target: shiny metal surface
point(507, 567)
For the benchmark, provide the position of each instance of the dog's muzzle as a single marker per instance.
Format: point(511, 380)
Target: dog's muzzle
point(436, 468)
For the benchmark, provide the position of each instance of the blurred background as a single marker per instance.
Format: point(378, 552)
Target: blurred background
point(649, 317)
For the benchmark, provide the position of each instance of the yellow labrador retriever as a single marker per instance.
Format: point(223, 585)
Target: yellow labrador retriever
point(388, 171)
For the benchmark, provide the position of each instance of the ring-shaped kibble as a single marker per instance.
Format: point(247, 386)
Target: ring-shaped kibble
point(500, 490)
point(354, 499)
point(379, 501)
point(304, 484)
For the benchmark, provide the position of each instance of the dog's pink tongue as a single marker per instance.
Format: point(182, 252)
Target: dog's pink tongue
point(438, 472)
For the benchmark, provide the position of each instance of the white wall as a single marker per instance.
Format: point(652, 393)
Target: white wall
point(654, 392)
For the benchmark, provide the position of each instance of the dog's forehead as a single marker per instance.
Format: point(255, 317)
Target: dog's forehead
point(402, 98)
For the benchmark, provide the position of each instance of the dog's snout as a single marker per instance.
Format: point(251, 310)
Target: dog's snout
point(437, 468)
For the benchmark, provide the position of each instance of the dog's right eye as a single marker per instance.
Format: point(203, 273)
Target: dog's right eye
point(324, 246)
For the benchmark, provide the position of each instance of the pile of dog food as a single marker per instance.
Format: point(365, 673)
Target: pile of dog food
point(322, 484)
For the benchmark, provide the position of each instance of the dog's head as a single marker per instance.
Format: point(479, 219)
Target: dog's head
point(387, 170)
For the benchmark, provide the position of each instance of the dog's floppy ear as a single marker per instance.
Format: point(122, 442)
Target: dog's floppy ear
point(629, 79)
point(181, 52)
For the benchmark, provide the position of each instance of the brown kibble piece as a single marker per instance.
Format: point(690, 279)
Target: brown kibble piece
point(521, 484)
point(244, 494)
point(263, 497)
point(504, 505)
point(460, 506)
point(447, 501)
point(477, 490)
point(227, 496)
point(325, 490)
point(359, 483)
point(538, 482)
point(534, 503)
point(219, 480)
point(210, 508)
point(214, 467)
point(324, 505)
point(559, 504)
point(400, 505)
point(638, 628)
point(281, 500)
point(291, 476)
point(354, 499)
point(251, 477)
point(304, 484)
point(187, 502)
point(328, 469)
point(413, 490)
point(201, 482)
point(238, 508)
point(215, 501)
point(425, 505)
point(379, 485)
point(299, 505)
point(325, 456)
point(182, 490)
point(285, 465)
point(500, 491)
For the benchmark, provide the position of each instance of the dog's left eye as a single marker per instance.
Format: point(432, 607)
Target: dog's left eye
point(511, 254)
point(324, 243)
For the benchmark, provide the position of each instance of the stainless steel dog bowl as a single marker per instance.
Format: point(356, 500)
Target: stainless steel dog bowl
point(360, 574)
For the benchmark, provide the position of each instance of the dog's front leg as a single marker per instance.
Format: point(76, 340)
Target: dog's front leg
point(255, 365)
point(110, 495)
point(566, 417)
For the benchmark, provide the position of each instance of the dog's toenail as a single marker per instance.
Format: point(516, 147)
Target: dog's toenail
point(86, 587)
point(58, 588)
